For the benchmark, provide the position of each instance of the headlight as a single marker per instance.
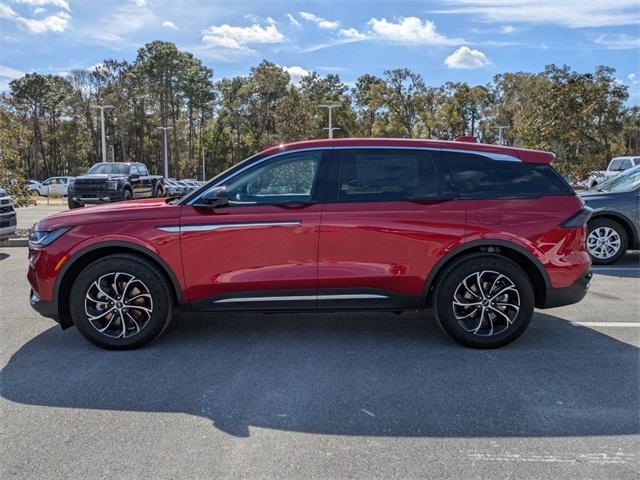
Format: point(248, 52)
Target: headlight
point(112, 184)
point(39, 240)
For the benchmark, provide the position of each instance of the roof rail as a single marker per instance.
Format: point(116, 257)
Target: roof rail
point(468, 139)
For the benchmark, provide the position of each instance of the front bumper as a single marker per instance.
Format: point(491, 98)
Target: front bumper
point(557, 297)
point(99, 196)
point(45, 308)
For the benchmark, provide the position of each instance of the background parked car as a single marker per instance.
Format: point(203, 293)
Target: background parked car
point(617, 165)
point(7, 215)
point(54, 186)
point(173, 188)
point(615, 224)
point(33, 186)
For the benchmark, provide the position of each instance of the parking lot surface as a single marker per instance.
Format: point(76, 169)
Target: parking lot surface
point(326, 396)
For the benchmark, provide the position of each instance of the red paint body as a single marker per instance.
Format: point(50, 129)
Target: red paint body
point(391, 246)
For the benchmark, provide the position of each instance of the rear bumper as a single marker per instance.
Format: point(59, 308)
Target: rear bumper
point(557, 297)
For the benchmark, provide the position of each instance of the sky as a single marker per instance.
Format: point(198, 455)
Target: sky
point(455, 40)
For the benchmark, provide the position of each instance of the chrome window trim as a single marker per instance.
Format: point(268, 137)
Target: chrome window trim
point(218, 226)
point(489, 155)
point(288, 298)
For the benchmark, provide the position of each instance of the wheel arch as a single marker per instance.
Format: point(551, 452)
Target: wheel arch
point(87, 255)
point(525, 259)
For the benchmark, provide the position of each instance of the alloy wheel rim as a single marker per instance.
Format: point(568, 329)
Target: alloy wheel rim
point(603, 243)
point(486, 303)
point(118, 305)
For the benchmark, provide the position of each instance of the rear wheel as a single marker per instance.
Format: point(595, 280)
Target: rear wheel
point(484, 301)
point(607, 241)
point(121, 302)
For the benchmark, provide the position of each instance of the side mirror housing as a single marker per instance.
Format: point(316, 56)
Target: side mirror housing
point(215, 198)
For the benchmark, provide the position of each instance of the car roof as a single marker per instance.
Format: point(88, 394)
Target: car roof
point(526, 155)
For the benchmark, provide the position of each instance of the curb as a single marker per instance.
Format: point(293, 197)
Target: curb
point(15, 242)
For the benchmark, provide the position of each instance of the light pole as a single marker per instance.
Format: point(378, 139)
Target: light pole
point(166, 158)
point(331, 127)
point(104, 142)
point(500, 135)
point(204, 177)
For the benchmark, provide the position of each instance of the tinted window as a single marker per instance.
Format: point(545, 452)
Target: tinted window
point(285, 179)
point(475, 176)
point(386, 175)
point(143, 170)
point(110, 168)
point(134, 170)
point(626, 163)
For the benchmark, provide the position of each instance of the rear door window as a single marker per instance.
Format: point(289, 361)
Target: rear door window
point(366, 175)
point(476, 176)
point(615, 165)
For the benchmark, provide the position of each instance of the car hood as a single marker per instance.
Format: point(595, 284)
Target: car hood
point(100, 176)
point(131, 211)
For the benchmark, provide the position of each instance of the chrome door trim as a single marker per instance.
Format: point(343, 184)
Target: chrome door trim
point(489, 155)
point(218, 226)
point(289, 298)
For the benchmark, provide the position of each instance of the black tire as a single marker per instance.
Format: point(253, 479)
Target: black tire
point(72, 203)
point(501, 331)
point(147, 279)
point(126, 195)
point(602, 224)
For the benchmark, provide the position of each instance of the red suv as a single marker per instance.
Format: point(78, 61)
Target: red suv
point(480, 233)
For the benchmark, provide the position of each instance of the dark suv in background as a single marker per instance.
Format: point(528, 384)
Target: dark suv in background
point(480, 233)
point(113, 182)
point(614, 227)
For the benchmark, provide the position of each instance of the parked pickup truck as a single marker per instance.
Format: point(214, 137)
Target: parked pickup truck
point(617, 165)
point(113, 182)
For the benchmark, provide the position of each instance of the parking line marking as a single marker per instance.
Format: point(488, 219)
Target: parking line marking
point(616, 268)
point(606, 324)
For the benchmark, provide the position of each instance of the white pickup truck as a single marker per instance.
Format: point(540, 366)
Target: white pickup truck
point(617, 165)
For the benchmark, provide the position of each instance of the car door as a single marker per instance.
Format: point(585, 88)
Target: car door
point(55, 188)
point(146, 186)
point(135, 181)
point(44, 187)
point(387, 219)
point(260, 251)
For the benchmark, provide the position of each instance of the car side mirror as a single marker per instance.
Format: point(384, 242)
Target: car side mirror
point(215, 198)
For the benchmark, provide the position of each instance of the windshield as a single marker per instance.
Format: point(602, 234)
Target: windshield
point(110, 168)
point(624, 182)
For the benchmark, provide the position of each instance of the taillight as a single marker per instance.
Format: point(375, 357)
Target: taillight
point(578, 219)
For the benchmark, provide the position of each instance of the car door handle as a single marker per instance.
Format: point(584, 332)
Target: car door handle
point(295, 205)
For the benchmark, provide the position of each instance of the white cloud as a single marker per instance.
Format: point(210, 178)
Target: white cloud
point(41, 3)
point(296, 72)
point(352, 34)
point(411, 31)
point(465, 58)
point(8, 72)
point(94, 67)
point(140, 3)
point(39, 10)
point(633, 78)
point(618, 41)
point(169, 24)
point(293, 20)
point(115, 29)
point(507, 29)
point(239, 38)
point(321, 22)
point(6, 11)
point(54, 23)
point(568, 13)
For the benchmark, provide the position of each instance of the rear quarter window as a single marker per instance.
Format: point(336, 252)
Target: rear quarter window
point(475, 176)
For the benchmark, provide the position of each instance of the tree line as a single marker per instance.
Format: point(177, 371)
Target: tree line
point(48, 125)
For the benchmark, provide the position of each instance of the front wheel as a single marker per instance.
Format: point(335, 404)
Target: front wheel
point(607, 241)
point(121, 302)
point(72, 203)
point(484, 301)
point(126, 195)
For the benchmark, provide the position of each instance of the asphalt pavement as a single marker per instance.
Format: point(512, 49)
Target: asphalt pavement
point(325, 396)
